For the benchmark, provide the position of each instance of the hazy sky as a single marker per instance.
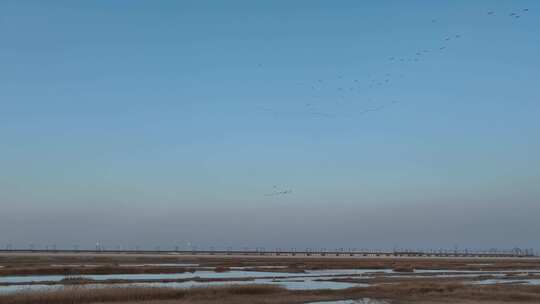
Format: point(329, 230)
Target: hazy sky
point(157, 123)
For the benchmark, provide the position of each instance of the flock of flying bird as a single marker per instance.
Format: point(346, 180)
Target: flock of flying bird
point(346, 88)
point(278, 191)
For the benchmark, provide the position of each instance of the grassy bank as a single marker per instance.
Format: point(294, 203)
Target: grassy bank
point(410, 292)
point(58, 264)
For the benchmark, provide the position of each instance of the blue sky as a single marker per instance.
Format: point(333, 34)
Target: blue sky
point(168, 121)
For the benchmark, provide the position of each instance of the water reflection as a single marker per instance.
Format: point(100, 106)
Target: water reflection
point(307, 284)
point(205, 274)
point(310, 280)
point(513, 281)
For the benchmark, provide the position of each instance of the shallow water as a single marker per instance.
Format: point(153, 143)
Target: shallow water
point(513, 281)
point(310, 280)
point(307, 284)
point(291, 284)
point(457, 275)
point(294, 281)
point(208, 274)
point(348, 271)
point(187, 275)
point(28, 288)
point(428, 271)
point(21, 279)
point(310, 284)
point(164, 276)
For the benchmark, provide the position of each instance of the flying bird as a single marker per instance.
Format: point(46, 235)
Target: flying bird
point(276, 191)
point(320, 114)
point(372, 110)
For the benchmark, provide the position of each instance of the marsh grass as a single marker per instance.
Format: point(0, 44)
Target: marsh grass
point(403, 268)
point(414, 292)
point(222, 269)
point(73, 295)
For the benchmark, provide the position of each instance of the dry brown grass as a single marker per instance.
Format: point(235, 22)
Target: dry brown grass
point(222, 269)
point(136, 294)
point(403, 268)
point(73, 280)
point(408, 292)
point(105, 269)
point(454, 291)
point(401, 290)
point(109, 264)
